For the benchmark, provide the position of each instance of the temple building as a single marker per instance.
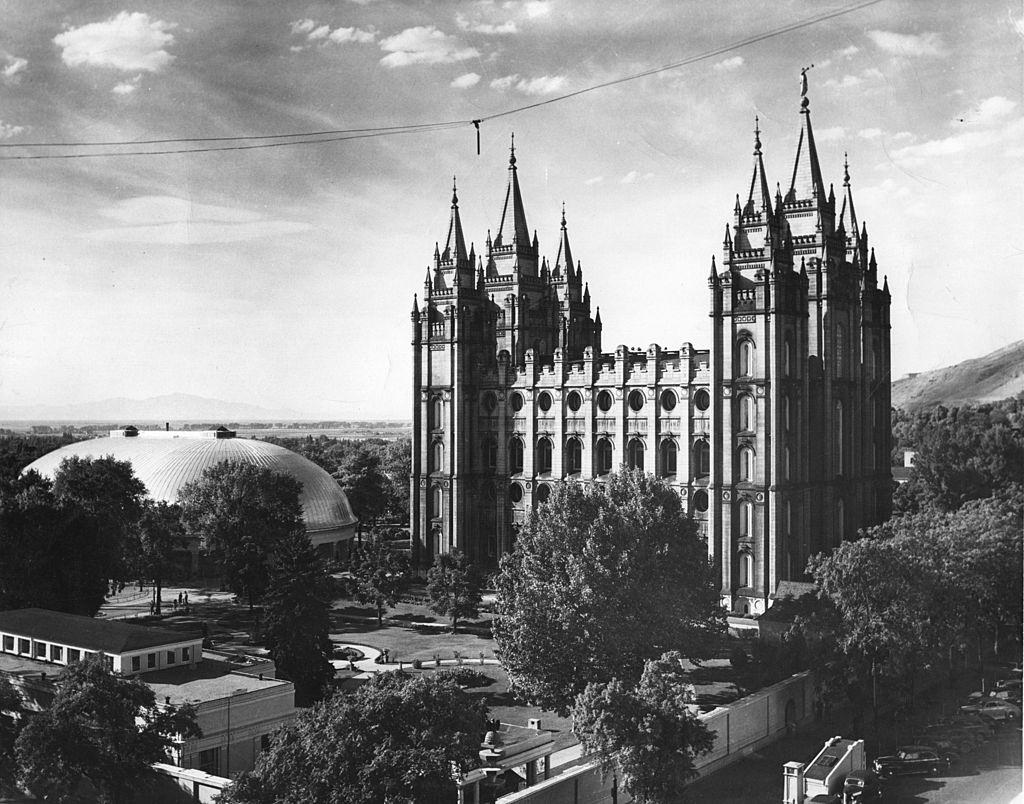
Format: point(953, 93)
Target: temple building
point(776, 435)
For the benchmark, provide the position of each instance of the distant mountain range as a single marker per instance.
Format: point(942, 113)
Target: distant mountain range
point(994, 376)
point(166, 408)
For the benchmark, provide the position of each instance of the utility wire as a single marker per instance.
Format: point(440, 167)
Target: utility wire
point(258, 141)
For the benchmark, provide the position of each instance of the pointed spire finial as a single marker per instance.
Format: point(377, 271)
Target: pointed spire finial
point(512, 156)
point(846, 169)
point(455, 196)
point(804, 101)
point(757, 135)
point(563, 214)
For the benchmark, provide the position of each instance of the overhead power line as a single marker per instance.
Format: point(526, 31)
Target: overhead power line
point(259, 141)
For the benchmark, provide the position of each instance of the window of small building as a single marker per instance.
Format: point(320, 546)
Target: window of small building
point(636, 401)
point(543, 492)
point(24, 646)
point(668, 401)
point(171, 657)
point(150, 661)
point(701, 458)
point(8, 643)
point(515, 456)
point(746, 517)
point(74, 655)
point(515, 493)
point(605, 401)
point(39, 650)
point(136, 664)
point(108, 663)
point(437, 413)
point(669, 454)
point(436, 502)
point(209, 761)
point(544, 401)
point(702, 400)
point(186, 654)
point(635, 454)
point(746, 569)
point(574, 401)
point(543, 456)
point(56, 653)
point(603, 455)
point(573, 456)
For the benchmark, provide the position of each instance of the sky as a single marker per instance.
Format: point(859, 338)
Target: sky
point(284, 276)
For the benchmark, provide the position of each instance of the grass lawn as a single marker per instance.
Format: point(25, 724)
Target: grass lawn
point(406, 643)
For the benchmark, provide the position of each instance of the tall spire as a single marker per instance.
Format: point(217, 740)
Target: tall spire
point(513, 217)
point(455, 243)
point(564, 258)
point(758, 182)
point(848, 197)
point(806, 182)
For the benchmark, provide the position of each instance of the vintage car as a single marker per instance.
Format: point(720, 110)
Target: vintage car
point(911, 759)
point(861, 785)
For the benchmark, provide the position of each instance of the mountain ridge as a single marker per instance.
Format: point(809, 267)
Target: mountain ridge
point(988, 378)
point(166, 407)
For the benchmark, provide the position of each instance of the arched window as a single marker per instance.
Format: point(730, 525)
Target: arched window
point(543, 492)
point(574, 401)
point(701, 458)
point(490, 402)
point(702, 400)
point(635, 454)
point(515, 456)
point(603, 455)
point(436, 503)
point(543, 456)
point(437, 413)
point(788, 464)
point(669, 453)
point(840, 357)
point(746, 463)
point(605, 401)
point(746, 516)
point(748, 413)
point(490, 454)
point(746, 569)
point(746, 358)
point(668, 401)
point(437, 457)
point(789, 518)
point(787, 413)
point(787, 356)
point(544, 401)
point(636, 401)
point(839, 438)
point(573, 456)
point(876, 360)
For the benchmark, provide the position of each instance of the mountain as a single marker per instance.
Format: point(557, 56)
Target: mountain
point(991, 377)
point(166, 408)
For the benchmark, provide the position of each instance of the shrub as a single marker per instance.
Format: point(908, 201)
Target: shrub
point(739, 659)
point(466, 677)
point(417, 664)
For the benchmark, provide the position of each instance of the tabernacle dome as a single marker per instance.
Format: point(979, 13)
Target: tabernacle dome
point(166, 460)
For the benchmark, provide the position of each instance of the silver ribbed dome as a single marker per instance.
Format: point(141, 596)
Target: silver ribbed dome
point(166, 461)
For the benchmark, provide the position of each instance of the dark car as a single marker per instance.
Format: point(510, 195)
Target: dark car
point(911, 759)
point(861, 785)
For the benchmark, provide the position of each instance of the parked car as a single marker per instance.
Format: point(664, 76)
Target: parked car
point(861, 785)
point(945, 745)
point(1009, 685)
point(994, 708)
point(910, 759)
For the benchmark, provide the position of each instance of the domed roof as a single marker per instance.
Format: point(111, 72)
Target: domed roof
point(166, 461)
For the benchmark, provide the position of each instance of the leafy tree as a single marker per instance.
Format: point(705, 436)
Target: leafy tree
point(297, 620)
point(360, 477)
point(398, 738)
point(396, 464)
point(453, 586)
point(381, 573)
point(241, 512)
point(649, 732)
point(18, 451)
point(102, 728)
point(157, 536)
point(10, 710)
point(600, 580)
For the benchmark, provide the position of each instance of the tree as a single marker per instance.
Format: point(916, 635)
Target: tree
point(10, 712)
point(297, 621)
point(157, 536)
point(381, 573)
point(241, 512)
point(398, 738)
point(453, 586)
point(363, 482)
point(649, 732)
point(600, 580)
point(102, 728)
point(396, 464)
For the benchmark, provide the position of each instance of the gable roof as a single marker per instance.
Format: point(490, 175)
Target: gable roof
point(87, 632)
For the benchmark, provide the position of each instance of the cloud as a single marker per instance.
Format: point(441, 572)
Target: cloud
point(926, 44)
point(1017, 24)
point(537, 8)
point(466, 81)
point(846, 52)
point(320, 32)
point(175, 221)
point(992, 110)
point(303, 26)
point(972, 138)
point(902, 135)
point(830, 134)
point(634, 176)
point(733, 63)
point(488, 28)
point(128, 41)
point(846, 82)
point(125, 87)
point(542, 85)
point(8, 130)
point(870, 133)
point(595, 180)
point(12, 68)
point(342, 35)
point(424, 44)
point(317, 32)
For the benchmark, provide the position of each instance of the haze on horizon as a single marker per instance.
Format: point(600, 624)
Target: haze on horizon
point(284, 277)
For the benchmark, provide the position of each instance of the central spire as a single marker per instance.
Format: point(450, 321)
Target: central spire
point(512, 214)
point(564, 258)
point(758, 182)
point(806, 183)
point(455, 243)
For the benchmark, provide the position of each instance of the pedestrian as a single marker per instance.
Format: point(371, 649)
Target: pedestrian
point(186, 598)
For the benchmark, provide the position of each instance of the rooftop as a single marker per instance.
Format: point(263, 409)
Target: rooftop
point(210, 680)
point(109, 636)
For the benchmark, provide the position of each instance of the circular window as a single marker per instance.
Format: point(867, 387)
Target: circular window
point(702, 399)
point(517, 402)
point(668, 400)
point(515, 493)
point(700, 501)
point(544, 402)
point(490, 402)
point(636, 401)
point(543, 492)
point(575, 401)
point(604, 401)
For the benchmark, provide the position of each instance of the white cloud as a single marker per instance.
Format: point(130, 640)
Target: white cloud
point(872, 72)
point(12, 68)
point(870, 133)
point(733, 63)
point(926, 44)
point(488, 28)
point(466, 81)
point(542, 85)
point(128, 41)
point(846, 82)
point(7, 130)
point(629, 178)
point(124, 88)
point(320, 32)
point(594, 180)
point(993, 109)
point(303, 26)
point(317, 32)
point(501, 84)
point(902, 135)
point(971, 139)
point(175, 221)
point(424, 44)
point(342, 35)
point(846, 52)
point(830, 134)
point(537, 8)
point(1017, 24)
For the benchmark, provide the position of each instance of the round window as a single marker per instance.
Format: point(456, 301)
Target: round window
point(517, 402)
point(604, 401)
point(490, 401)
point(668, 400)
point(575, 401)
point(702, 399)
point(543, 492)
point(544, 402)
point(515, 493)
point(700, 500)
point(636, 401)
